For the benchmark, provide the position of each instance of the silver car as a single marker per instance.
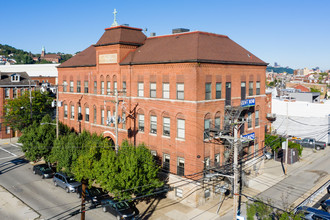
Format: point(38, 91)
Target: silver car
point(67, 183)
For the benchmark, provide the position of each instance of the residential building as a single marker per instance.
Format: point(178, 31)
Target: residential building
point(12, 85)
point(175, 91)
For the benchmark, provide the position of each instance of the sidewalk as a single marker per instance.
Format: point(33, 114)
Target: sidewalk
point(13, 208)
point(9, 140)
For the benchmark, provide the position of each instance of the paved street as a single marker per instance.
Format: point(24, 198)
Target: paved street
point(39, 194)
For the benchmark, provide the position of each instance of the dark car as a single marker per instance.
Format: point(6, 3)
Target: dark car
point(93, 195)
point(122, 210)
point(328, 189)
point(66, 182)
point(310, 213)
point(326, 205)
point(43, 170)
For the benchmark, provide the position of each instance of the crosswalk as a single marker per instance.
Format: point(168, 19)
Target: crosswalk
point(10, 151)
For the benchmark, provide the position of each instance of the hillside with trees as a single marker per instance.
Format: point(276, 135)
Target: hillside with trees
point(24, 57)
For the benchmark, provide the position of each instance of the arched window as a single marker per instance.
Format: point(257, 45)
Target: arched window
point(153, 122)
point(166, 124)
point(141, 120)
point(95, 114)
point(207, 125)
point(217, 120)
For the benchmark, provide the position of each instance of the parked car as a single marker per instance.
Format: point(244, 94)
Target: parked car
point(66, 182)
point(328, 189)
point(122, 210)
point(326, 205)
point(43, 170)
point(310, 213)
point(93, 195)
point(312, 143)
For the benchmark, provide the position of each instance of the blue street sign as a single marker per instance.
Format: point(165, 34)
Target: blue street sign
point(250, 136)
point(248, 102)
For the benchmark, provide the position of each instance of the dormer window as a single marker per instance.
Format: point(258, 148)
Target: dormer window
point(15, 77)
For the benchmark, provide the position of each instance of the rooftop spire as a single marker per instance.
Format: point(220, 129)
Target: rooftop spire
point(114, 18)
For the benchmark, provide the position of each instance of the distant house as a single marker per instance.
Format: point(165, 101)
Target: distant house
point(12, 85)
point(301, 88)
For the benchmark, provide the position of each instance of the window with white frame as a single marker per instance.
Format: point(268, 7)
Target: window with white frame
point(65, 86)
point(115, 86)
point(152, 90)
point(180, 91)
point(166, 162)
point(86, 87)
point(249, 120)
point(180, 166)
point(87, 114)
point(257, 88)
point(207, 162)
point(166, 90)
point(250, 88)
point(108, 117)
point(71, 86)
point(65, 111)
point(140, 89)
point(79, 113)
point(207, 126)
point(218, 90)
point(217, 122)
point(95, 87)
point(7, 93)
point(102, 116)
point(95, 115)
point(108, 87)
point(166, 126)
point(208, 91)
point(256, 119)
point(72, 112)
point(102, 87)
point(141, 122)
point(181, 129)
point(78, 86)
point(124, 88)
point(153, 124)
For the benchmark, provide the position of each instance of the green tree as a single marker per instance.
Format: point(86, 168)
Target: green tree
point(18, 110)
point(38, 140)
point(315, 90)
point(132, 171)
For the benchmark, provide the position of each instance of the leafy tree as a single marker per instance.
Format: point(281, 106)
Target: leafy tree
point(132, 171)
point(18, 110)
point(38, 140)
point(315, 90)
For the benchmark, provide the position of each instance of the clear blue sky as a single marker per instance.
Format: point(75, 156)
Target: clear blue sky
point(294, 33)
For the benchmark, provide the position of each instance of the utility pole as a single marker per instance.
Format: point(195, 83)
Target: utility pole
point(235, 167)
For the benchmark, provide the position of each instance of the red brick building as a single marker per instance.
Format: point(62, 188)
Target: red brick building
point(176, 88)
point(12, 84)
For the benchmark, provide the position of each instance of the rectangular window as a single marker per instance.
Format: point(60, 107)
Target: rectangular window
point(71, 86)
point(102, 87)
point(181, 128)
point(108, 118)
point(79, 113)
point(250, 88)
point(65, 86)
point(217, 123)
point(87, 114)
point(108, 87)
point(152, 90)
point(7, 93)
point(166, 162)
point(114, 86)
point(124, 88)
point(243, 90)
point(258, 88)
point(207, 125)
point(180, 166)
point(102, 116)
point(124, 120)
point(207, 162)
point(141, 122)
point(140, 89)
point(256, 120)
point(86, 87)
point(65, 111)
point(208, 94)
point(166, 90)
point(166, 126)
point(14, 93)
point(180, 91)
point(78, 86)
point(249, 120)
point(95, 115)
point(228, 94)
point(95, 87)
point(218, 90)
point(72, 112)
point(217, 160)
point(7, 130)
point(153, 124)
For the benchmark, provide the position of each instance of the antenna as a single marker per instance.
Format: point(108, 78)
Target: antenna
point(145, 30)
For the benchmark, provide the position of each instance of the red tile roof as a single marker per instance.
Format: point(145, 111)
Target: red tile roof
point(86, 58)
point(192, 47)
point(122, 35)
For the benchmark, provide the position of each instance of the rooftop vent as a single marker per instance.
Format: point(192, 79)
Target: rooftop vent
point(153, 34)
point(179, 30)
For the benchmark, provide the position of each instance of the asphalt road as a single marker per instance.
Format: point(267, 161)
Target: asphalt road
point(40, 194)
point(287, 191)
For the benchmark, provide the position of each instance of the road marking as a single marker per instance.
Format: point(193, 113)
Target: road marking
point(8, 152)
point(7, 158)
point(15, 145)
